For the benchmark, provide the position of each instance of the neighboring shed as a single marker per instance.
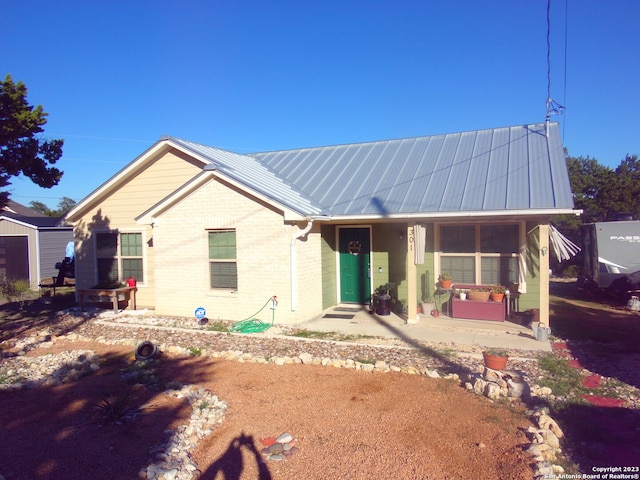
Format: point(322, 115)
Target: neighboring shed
point(31, 244)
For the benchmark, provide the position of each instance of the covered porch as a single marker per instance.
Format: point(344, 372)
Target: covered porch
point(406, 259)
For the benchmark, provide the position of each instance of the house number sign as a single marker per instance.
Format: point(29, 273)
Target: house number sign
point(354, 247)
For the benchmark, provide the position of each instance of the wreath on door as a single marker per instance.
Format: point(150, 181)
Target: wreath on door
point(354, 247)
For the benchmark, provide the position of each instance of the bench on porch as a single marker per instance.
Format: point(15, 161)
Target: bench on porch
point(115, 294)
point(474, 310)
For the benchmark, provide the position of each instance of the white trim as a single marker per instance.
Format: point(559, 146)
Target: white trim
point(430, 216)
point(478, 255)
point(151, 216)
point(118, 231)
point(94, 196)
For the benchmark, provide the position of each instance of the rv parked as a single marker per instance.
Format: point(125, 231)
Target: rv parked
point(612, 256)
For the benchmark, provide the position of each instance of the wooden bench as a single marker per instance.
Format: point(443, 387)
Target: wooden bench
point(113, 293)
point(473, 310)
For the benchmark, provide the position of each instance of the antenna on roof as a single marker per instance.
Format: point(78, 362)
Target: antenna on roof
point(552, 107)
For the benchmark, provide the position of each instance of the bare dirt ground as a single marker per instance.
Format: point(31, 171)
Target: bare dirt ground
point(347, 424)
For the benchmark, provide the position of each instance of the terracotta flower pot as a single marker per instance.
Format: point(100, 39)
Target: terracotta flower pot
point(497, 297)
point(446, 283)
point(494, 362)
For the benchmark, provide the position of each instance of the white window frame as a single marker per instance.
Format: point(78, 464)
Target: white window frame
point(478, 255)
point(119, 257)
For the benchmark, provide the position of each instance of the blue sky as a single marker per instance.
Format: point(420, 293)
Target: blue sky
point(249, 76)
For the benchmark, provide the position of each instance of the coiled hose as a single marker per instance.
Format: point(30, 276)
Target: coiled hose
point(252, 324)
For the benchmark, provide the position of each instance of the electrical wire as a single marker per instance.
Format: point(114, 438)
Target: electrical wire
point(552, 106)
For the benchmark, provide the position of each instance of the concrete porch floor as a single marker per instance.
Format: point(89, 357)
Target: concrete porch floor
point(440, 329)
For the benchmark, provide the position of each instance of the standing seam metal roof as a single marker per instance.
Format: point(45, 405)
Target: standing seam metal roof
point(493, 170)
point(511, 168)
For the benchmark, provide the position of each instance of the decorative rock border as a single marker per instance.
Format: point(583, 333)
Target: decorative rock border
point(172, 459)
point(544, 444)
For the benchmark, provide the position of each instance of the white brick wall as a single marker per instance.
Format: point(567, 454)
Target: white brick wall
point(180, 244)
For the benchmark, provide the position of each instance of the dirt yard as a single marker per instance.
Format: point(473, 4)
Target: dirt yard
point(346, 424)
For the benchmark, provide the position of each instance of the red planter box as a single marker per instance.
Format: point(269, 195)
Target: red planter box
point(477, 310)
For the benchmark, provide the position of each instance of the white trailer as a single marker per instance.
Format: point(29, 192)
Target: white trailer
point(612, 256)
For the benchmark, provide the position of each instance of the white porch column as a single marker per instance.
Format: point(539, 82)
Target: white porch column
point(544, 273)
point(412, 287)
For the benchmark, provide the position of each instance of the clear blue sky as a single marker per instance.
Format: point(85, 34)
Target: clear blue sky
point(249, 76)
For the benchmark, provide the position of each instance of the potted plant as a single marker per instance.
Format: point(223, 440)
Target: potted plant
point(497, 293)
point(427, 303)
point(495, 359)
point(440, 298)
point(478, 294)
point(445, 280)
point(383, 299)
point(462, 294)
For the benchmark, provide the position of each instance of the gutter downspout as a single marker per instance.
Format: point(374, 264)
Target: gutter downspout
point(294, 264)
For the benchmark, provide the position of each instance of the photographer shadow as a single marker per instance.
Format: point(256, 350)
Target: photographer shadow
point(231, 463)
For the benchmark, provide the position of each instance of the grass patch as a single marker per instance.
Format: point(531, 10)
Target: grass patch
point(218, 327)
point(338, 337)
point(314, 334)
point(448, 352)
point(562, 379)
point(195, 351)
point(367, 361)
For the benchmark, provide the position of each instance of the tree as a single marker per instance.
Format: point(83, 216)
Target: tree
point(40, 207)
point(64, 205)
point(21, 151)
point(628, 190)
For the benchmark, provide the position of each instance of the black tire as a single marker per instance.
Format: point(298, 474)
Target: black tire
point(146, 351)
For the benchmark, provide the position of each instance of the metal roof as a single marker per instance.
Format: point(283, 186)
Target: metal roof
point(508, 170)
point(254, 175)
point(494, 170)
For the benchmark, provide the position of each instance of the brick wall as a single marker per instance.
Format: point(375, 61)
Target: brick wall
point(263, 258)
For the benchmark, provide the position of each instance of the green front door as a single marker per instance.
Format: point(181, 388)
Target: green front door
point(355, 283)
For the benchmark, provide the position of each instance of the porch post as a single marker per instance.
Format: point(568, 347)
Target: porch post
point(412, 289)
point(544, 273)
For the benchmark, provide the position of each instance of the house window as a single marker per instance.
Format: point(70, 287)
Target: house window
point(223, 267)
point(119, 256)
point(480, 254)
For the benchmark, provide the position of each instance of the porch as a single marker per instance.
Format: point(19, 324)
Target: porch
point(356, 320)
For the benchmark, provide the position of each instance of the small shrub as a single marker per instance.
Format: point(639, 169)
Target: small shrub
point(195, 351)
point(114, 409)
point(13, 289)
point(572, 271)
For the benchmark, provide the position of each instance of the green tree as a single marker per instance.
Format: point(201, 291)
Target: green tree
point(628, 185)
point(21, 150)
point(64, 205)
point(593, 187)
point(40, 208)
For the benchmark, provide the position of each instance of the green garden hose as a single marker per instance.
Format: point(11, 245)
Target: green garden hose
point(252, 324)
